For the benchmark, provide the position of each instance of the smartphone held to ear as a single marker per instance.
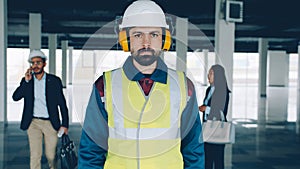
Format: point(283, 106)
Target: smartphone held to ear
point(31, 70)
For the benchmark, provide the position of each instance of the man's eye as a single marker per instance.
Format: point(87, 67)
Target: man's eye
point(154, 35)
point(138, 35)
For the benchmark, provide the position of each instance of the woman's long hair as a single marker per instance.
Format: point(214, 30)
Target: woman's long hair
point(218, 101)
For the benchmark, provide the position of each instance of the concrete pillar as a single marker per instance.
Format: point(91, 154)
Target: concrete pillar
point(277, 104)
point(70, 67)
point(70, 81)
point(263, 53)
point(52, 45)
point(298, 82)
point(224, 43)
point(298, 95)
point(3, 58)
point(278, 68)
point(3, 78)
point(224, 48)
point(278, 65)
point(95, 65)
point(64, 47)
point(181, 43)
point(35, 33)
point(206, 66)
point(262, 86)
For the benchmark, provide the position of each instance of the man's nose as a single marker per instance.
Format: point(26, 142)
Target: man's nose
point(146, 41)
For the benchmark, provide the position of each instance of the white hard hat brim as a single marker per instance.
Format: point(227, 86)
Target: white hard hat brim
point(144, 20)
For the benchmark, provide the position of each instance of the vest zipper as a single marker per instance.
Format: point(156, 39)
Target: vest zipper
point(138, 133)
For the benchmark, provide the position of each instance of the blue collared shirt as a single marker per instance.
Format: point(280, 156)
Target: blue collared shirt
point(159, 74)
point(40, 105)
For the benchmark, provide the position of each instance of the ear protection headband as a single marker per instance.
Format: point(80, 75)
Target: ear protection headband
point(124, 39)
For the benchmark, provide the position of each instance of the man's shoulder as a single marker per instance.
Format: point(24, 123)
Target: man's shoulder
point(99, 84)
point(52, 76)
point(189, 82)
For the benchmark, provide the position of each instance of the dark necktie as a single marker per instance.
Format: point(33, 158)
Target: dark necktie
point(146, 84)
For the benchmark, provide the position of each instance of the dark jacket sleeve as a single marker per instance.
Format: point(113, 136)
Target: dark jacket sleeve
point(22, 90)
point(206, 94)
point(25, 92)
point(62, 104)
point(93, 141)
point(192, 146)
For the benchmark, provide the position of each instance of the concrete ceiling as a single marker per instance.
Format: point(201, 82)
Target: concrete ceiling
point(77, 21)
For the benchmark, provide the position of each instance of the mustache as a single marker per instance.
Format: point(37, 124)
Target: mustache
point(146, 50)
point(36, 68)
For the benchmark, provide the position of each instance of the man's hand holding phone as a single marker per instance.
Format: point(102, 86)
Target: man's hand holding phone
point(28, 74)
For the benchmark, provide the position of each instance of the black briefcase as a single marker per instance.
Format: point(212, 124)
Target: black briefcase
point(68, 154)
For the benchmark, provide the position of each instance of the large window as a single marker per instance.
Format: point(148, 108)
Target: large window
point(89, 65)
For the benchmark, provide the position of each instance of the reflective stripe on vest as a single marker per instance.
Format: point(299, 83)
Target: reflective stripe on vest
point(144, 126)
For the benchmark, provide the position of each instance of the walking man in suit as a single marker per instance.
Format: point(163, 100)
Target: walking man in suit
point(43, 94)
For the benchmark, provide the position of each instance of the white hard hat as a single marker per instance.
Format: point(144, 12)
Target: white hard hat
point(36, 53)
point(143, 13)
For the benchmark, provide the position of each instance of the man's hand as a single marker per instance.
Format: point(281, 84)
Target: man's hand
point(28, 74)
point(65, 130)
point(202, 108)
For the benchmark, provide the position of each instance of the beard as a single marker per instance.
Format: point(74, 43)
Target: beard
point(146, 60)
point(38, 71)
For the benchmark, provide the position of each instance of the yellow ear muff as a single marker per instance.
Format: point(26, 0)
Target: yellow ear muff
point(124, 41)
point(167, 40)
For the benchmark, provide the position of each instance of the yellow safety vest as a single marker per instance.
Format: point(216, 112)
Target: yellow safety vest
point(144, 131)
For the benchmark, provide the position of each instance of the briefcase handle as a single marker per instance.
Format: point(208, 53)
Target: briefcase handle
point(65, 139)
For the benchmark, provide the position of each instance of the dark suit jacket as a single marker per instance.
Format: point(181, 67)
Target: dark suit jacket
point(216, 107)
point(54, 98)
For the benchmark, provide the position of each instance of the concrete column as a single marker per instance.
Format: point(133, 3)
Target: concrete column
point(95, 62)
point(52, 45)
point(224, 48)
point(278, 68)
point(3, 58)
point(70, 67)
point(70, 81)
point(263, 53)
point(298, 95)
point(35, 33)
point(262, 85)
point(298, 82)
point(3, 77)
point(224, 43)
point(278, 65)
point(181, 43)
point(64, 47)
point(206, 66)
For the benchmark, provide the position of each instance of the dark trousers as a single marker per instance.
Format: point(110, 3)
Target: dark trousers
point(214, 156)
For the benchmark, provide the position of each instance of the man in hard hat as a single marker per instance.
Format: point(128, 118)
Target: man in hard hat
point(42, 94)
point(143, 115)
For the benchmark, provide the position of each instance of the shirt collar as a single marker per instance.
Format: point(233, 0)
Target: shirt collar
point(132, 73)
point(43, 78)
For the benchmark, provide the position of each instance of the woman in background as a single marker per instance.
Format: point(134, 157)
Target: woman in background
point(215, 102)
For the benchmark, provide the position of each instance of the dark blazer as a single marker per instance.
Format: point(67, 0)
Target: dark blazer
point(224, 108)
point(54, 98)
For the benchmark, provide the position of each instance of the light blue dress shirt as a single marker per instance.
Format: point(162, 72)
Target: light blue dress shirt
point(40, 105)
